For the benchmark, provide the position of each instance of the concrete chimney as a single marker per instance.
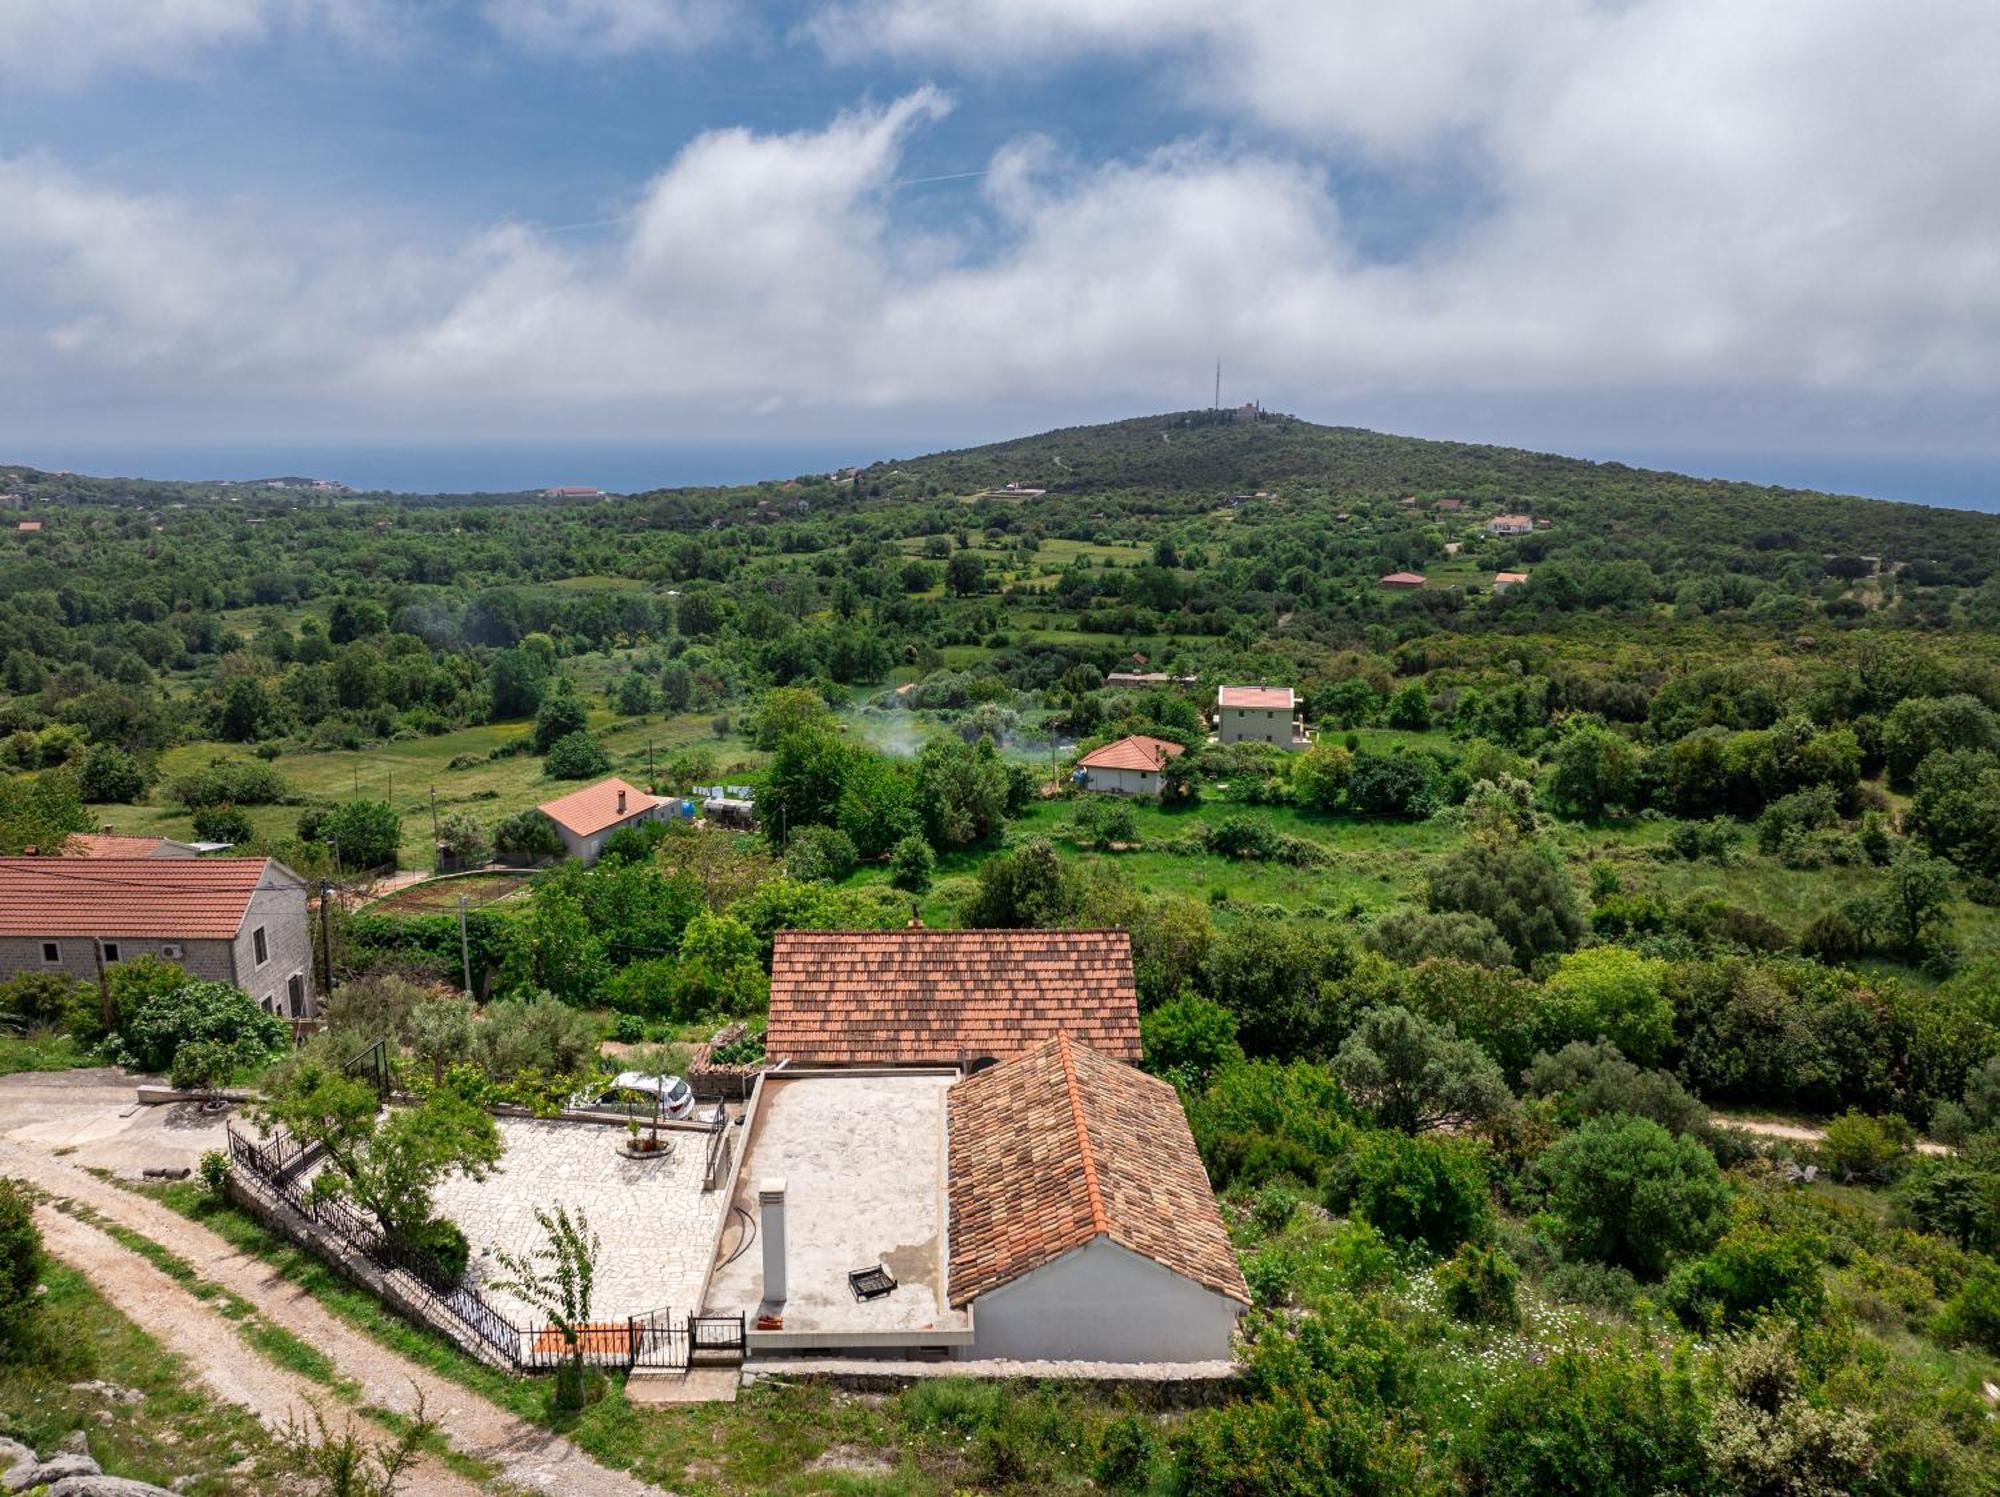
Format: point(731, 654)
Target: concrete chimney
point(621, 803)
point(771, 1227)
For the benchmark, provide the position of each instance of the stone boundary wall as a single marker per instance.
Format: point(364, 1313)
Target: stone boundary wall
point(1152, 1386)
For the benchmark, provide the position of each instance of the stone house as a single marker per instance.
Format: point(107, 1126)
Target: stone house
point(242, 921)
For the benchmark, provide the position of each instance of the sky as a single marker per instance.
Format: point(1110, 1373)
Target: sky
point(1647, 225)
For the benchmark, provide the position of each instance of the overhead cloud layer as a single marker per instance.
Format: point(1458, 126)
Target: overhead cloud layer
point(1670, 195)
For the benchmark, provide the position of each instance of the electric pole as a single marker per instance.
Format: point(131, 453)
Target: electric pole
point(1218, 384)
point(464, 947)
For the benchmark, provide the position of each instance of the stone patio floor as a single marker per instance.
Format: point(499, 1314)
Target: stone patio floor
point(656, 1227)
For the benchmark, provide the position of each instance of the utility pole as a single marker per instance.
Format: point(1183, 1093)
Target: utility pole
point(326, 938)
point(1218, 384)
point(464, 947)
point(434, 815)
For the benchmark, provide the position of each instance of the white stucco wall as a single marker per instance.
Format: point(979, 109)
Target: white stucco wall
point(1103, 1303)
point(1123, 781)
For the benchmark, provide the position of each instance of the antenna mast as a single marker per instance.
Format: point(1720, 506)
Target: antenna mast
point(1218, 384)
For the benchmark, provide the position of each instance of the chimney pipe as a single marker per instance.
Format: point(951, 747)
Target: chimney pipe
point(621, 803)
point(771, 1227)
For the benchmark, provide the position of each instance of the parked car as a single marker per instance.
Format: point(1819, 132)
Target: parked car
point(640, 1094)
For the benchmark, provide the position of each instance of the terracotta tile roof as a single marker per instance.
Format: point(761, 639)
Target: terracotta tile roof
point(1060, 1146)
point(595, 807)
point(944, 996)
point(1136, 752)
point(199, 899)
point(1403, 579)
point(1278, 697)
point(1510, 576)
point(110, 845)
point(29, 525)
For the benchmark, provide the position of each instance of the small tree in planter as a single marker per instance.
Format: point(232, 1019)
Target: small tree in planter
point(204, 1067)
point(559, 1280)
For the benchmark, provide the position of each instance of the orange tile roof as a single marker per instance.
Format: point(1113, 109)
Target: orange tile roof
point(1060, 1146)
point(109, 845)
point(1510, 576)
point(940, 997)
point(1279, 697)
point(595, 807)
point(29, 525)
point(201, 899)
point(1136, 752)
point(1403, 579)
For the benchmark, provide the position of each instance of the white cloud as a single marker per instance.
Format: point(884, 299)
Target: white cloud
point(598, 28)
point(1680, 196)
point(62, 43)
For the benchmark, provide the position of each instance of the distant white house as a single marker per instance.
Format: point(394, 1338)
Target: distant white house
point(1510, 525)
point(586, 817)
point(1131, 766)
point(1504, 580)
point(1260, 714)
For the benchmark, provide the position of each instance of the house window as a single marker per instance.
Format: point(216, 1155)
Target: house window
point(51, 952)
point(295, 995)
point(263, 946)
point(111, 951)
point(269, 1003)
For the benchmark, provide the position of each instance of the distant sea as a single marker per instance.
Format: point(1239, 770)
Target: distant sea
point(1957, 482)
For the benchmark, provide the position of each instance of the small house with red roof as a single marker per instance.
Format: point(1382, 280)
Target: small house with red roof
point(585, 818)
point(1403, 580)
point(1260, 714)
point(1135, 765)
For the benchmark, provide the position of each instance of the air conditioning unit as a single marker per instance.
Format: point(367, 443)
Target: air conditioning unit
point(171, 952)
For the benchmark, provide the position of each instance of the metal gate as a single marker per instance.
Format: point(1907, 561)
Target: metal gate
point(660, 1341)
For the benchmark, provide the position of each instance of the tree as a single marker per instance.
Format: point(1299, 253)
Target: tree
point(1101, 821)
point(461, 840)
point(363, 833)
point(911, 864)
point(785, 710)
point(1319, 776)
point(561, 714)
point(965, 574)
point(1625, 1191)
point(559, 1279)
point(39, 812)
point(1589, 1078)
point(576, 756)
point(1865, 1148)
point(1521, 888)
point(388, 1163)
point(962, 791)
point(440, 1034)
point(635, 695)
point(1188, 1040)
point(720, 972)
point(345, 1465)
point(806, 781)
point(517, 679)
point(526, 838)
point(1409, 709)
point(1415, 1075)
point(1030, 886)
point(1595, 770)
point(1612, 993)
point(1915, 904)
point(1412, 936)
point(538, 1033)
point(108, 774)
point(820, 853)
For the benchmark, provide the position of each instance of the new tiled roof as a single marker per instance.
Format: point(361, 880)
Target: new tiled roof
point(1404, 579)
point(892, 997)
point(1510, 576)
point(1060, 1146)
point(165, 898)
point(595, 807)
point(1136, 752)
point(1279, 697)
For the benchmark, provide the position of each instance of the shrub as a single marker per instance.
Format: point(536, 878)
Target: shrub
point(109, 773)
point(462, 839)
point(1590, 1078)
point(537, 1033)
point(1865, 1148)
point(911, 864)
point(202, 1065)
point(1415, 1075)
point(202, 1011)
point(1973, 1313)
point(213, 1172)
point(1611, 993)
point(240, 782)
point(561, 714)
point(1625, 1191)
point(1478, 1285)
point(35, 999)
point(224, 823)
point(1522, 889)
point(441, 1240)
point(1412, 936)
point(628, 1029)
point(1751, 1271)
point(1425, 1189)
point(20, 1260)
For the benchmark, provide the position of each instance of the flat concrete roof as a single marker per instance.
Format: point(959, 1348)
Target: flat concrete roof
point(862, 1154)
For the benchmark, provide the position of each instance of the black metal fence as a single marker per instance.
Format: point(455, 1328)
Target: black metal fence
point(372, 1066)
point(655, 1340)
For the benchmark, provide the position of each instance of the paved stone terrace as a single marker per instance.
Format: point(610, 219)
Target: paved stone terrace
point(654, 1222)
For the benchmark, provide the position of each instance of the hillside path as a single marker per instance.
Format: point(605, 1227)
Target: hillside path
point(1803, 1133)
point(528, 1457)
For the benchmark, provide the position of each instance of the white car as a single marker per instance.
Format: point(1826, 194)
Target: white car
point(641, 1095)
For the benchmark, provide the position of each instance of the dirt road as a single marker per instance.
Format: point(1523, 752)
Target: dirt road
point(528, 1457)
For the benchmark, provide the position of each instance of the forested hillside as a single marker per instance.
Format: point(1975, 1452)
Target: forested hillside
point(1643, 807)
